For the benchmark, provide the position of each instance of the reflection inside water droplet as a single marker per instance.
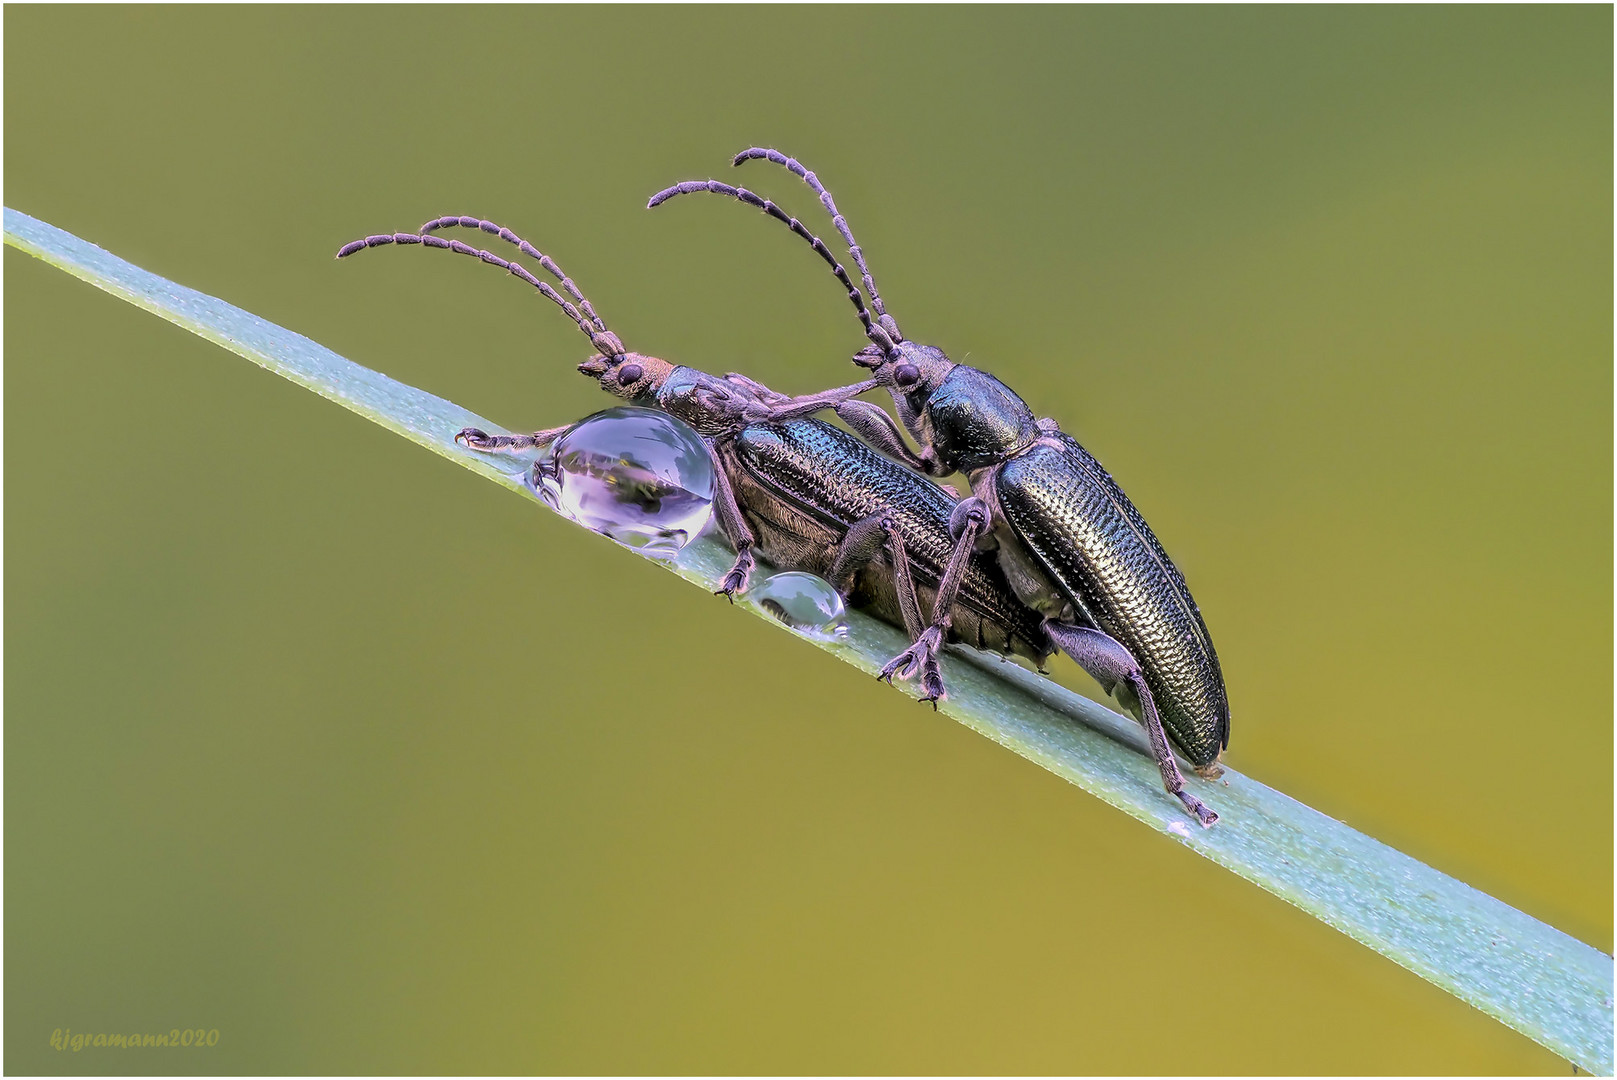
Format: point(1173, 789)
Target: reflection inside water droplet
point(637, 475)
point(806, 603)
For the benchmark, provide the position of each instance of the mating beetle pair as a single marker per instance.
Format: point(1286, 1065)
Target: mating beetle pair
point(807, 495)
point(1047, 553)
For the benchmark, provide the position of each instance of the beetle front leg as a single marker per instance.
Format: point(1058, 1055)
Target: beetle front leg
point(776, 411)
point(484, 443)
point(871, 423)
point(1105, 658)
point(763, 392)
point(735, 529)
point(860, 546)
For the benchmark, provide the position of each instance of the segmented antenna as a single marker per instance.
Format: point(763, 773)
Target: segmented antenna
point(837, 220)
point(452, 220)
point(604, 340)
point(875, 332)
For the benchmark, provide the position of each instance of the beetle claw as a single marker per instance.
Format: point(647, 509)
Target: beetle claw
point(932, 683)
point(900, 665)
point(919, 661)
point(1203, 813)
point(736, 580)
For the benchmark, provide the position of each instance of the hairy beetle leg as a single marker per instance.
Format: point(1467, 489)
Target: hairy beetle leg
point(917, 658)
point(872, 423)
point(736, 580)
point(969, 520)
point(920, 662)
point(1105, 658)
point(1201, 810)
point(861, 544)
point(734, 527)
point(782, 408)
point(481, 441)
point(931, 683)
point(762, 392)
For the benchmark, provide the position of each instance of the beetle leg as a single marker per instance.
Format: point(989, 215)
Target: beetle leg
point(793, 408)
point(1110, 663)
point(969, 521)
point(484, 443)
point(735, 529)
point(872, 423)
point(860, 546)
point(764, 392)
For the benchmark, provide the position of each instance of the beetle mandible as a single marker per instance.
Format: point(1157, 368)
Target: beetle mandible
point(1071, 543)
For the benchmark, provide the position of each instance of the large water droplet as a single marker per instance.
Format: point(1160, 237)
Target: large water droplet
point(637, 475)
point(806, 603)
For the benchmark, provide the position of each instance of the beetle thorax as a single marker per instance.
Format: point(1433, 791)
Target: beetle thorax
point(976, 420)
point(711, 405)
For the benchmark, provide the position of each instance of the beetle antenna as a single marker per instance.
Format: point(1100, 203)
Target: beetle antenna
point(837, 220)
point(874, 331)
point(604, 340)
point(453, 220)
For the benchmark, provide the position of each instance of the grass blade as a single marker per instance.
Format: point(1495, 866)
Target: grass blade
point(1528, 975)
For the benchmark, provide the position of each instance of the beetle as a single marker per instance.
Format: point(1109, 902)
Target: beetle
point(1071, 543)
point(807, 495)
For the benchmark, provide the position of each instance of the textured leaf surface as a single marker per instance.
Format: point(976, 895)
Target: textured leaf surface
point(1547, 985)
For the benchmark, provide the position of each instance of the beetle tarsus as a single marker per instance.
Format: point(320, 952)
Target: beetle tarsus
point(484, 443)
point(736, 580)
point(1203, 812)
point(931, 683)
point(917, 658)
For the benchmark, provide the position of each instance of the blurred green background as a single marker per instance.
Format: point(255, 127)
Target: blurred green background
point(315, 739)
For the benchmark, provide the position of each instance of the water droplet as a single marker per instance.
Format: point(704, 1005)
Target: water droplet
point(1179, 828)
point(637, 475)
point(806, 603)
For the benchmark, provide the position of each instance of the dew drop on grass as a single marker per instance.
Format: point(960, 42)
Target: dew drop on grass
point(806, 603)
point(637, 475)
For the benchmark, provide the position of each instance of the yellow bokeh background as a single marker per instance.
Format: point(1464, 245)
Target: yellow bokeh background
point(313, 738)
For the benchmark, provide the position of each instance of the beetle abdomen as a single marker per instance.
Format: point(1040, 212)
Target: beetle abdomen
point(1075, 520)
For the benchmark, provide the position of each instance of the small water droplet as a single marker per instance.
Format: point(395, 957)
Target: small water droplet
point(1179, 828)
point(637, 475)
point(806, 603)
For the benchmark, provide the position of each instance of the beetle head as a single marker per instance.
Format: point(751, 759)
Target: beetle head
point(627, 375)
point(907, 368)
point(911, 373)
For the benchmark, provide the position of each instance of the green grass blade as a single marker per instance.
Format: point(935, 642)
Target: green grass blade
point(1541, 982)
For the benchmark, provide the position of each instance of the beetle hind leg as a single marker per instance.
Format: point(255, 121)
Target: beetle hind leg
point(1115, 668)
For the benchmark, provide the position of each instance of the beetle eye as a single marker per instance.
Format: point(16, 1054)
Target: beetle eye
point(628, 373)
point(906, 376)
